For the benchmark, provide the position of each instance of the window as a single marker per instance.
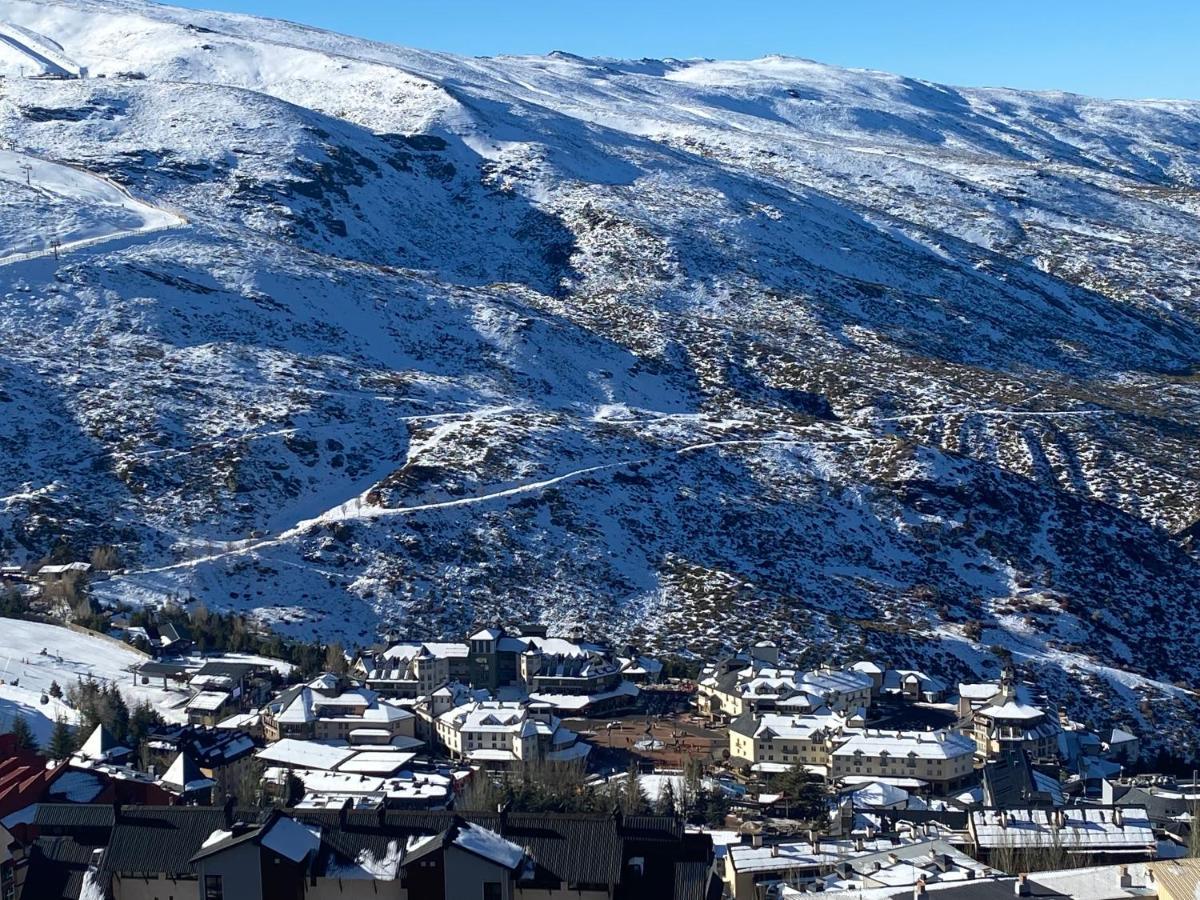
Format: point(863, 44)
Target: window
point(213, 888)
point(491, 890)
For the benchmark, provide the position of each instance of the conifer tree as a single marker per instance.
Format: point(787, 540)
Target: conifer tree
point(20, 730)
point(62, 740)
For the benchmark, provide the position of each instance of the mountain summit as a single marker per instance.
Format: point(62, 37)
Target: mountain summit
point(351, 337)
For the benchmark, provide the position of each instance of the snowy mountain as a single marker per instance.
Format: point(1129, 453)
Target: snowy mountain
point(354, 336)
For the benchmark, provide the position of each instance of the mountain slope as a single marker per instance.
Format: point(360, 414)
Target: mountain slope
point(691, 351)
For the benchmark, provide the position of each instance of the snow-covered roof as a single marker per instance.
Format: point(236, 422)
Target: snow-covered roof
point(580, 701)
point(291, 839)
point(376, 762)
point(304, 754)
point(880, 795)
point(489, 716)
point(240, 720)
point(405, 785)
point(62, 569)
point(787, 855)
point(1120, 736)
point(208, 701)
point(489, 845)
point(491, 754)
point(1091, 829)
point(898, 679)
point(1012, 710)
point(441, 649)
point(868, 667)
point(183, 773)
point(486, 634)
point(980, 691)
point(326, 681)
point(789, 727)
point(101, 744)
point(900, 744)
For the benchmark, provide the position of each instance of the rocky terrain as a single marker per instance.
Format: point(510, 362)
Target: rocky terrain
point(355, 337)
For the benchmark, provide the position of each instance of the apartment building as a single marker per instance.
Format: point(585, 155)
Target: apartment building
point(748, 683)
point(499, 733)
point(946, 761)
point(329, 708)
point(775, 739)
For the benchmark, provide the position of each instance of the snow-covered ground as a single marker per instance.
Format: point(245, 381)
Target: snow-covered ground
point(34, 655)
point(42, 202)
point(692, 351)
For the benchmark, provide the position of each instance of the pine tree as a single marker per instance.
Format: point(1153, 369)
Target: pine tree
point(805, 793)
point(20, 730)
point(632, 798)
point(119, 713)
point(335, 659)
point(56, 690)
point(143, 718)
point(62, 740)
point(666, 799)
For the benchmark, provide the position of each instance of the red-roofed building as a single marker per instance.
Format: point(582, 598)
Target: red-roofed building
point(23, 776)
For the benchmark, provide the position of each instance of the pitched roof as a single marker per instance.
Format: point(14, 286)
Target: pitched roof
point(100, 743)
point(185, 774)
point(163, 839)
point(57, 865)
point(580, 848)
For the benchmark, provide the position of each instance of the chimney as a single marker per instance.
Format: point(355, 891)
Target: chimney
point(919, 889)
point(859, 846)
point(1126, 878)
point(1119, 818)
point(756, 839)
point(1022, 886)
point(227, 808)
point(344, 813)
point(774, 850)
point(812, 839)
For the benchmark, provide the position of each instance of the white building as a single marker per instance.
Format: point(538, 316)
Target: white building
point(748, 684)
point(502, 733)
point(328, 708)
point(774, 742)
point(944, 760)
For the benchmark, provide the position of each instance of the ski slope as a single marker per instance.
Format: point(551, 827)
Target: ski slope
point(27, 53)
point(33, 655)
point(280, 409)
point(43, 201)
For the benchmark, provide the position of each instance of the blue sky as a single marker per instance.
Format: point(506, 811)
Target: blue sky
point(1147, 48)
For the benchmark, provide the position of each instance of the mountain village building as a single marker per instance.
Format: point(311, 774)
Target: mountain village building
point(943, 760)
point(574, 675)
point(496, 734)
point(1000, 720)
point(329, 709)
point(776, 741)
point(753, 682)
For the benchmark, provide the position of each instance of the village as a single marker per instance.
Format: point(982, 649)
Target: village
point(540, 764)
